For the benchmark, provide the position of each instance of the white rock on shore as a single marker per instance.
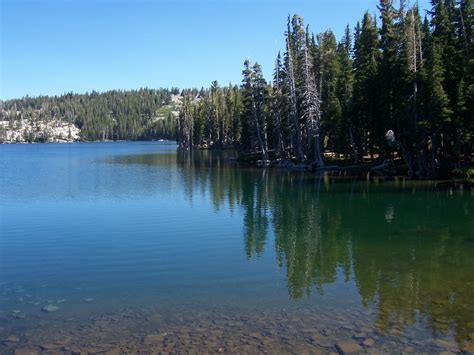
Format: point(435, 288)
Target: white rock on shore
point(27, 131)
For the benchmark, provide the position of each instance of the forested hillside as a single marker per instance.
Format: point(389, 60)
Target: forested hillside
point(397, 86)
point(401, 85)
point(114, 115)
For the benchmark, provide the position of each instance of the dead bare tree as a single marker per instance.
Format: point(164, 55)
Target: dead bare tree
point(311, 109)
point(293, 117)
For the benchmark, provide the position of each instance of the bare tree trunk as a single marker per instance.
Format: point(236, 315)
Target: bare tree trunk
point(277, 110)
point(281, 145)
point(311, 110)
point(466, 45)
point(318, 150)
point(261, 142)
point(294, 111)
point(407, 157)
point(355, 151)
point(467, 152)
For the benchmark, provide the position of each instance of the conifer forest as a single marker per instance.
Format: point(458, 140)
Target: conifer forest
point(396, 91)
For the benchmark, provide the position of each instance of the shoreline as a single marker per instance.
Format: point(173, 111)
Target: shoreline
point(368, 170)
point(218, 329)
point(86, 141)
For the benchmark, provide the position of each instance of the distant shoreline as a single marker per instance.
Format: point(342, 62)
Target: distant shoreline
point(342, 169)
point(87, 141)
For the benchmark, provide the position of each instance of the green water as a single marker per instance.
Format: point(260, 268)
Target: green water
point(142, 247)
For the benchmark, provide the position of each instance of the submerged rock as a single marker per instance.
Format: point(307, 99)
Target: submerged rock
point(469, 347)
point(153, 339)
point(12, 339)
point(50, 308)
point(360, 336)
point(448, 345)
point(369, 342)
point(348, 346)
point(18, 315)
point(26, 352)
point(50, 346)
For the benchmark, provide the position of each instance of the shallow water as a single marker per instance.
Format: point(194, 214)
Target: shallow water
point(145, 249)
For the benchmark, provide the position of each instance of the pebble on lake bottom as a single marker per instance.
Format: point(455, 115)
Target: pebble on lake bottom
point(18, 315)
point(50, 308)
point(368, 342)
point(180, 330)
point(26, 351)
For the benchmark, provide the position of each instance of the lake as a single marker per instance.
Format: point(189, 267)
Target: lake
point(137, 247)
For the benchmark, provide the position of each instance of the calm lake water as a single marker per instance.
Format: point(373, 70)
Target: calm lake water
point(134, 246)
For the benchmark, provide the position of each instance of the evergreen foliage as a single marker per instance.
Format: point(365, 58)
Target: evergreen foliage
point(399, 92)
point(402, 92)
point(143, 114)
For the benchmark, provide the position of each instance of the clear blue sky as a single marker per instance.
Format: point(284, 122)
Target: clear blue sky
point(50, 47)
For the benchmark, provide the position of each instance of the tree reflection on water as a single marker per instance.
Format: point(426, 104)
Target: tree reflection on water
point(408, 246)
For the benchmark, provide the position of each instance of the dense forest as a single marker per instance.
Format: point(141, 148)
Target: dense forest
point(114, 115)
point(396, 92)
point(399, 86)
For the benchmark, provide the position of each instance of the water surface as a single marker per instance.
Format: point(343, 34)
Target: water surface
point(142, 247)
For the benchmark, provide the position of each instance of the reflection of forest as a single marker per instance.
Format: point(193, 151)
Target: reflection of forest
point(411, 253)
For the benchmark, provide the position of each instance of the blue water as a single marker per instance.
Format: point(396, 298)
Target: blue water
point(96, 227)
point(73, 219)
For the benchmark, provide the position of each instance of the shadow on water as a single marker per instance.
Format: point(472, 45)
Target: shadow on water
point(408, 246)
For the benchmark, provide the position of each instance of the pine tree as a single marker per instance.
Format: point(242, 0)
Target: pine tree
point(445, 46)
point(465, 104)
point(389, 70)
point(344, 91)
point(436, 109)
point(253, 87)
point(260, 94)
point(366, 86)
point(327, 70)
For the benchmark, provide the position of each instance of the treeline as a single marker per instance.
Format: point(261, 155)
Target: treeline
point(398, 86)
point(112, 115)
point(211, 117)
